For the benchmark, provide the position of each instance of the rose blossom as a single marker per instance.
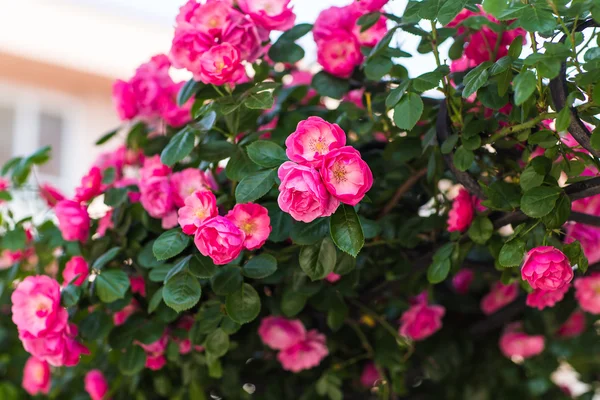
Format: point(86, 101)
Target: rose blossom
point(124, 100)
point(155, 358)
point(499, 296)
point(547, 268)
point(105, 223)
point(588, 236)
point(120, 317)
point(221, 64)
point(90, 187)
point(95, 384)
point(421, 321)
point(305, 354)
point(302, 193)
point(153, 167)
point(73, 220)
point(36, 306)
point(373, 35)
point(369, 375)
point(75, 266)
point(199, 206)
point(252, 219)
point(185, 183)
point(219, 239)
point(462, 280)
point(269, 14)
point(332, 277)
point(462, 212)
point(50, 194)
point(587, 293)
point(515, 343)
point(541, 299)
point(36, 377)
point(156, 196)
point(280, 333)
point(339, 54)
point(573, 326)
point(58, 347)
point(138, 285)
point(313, 138)
point(346, 176)
point(371, 5)
point(336, 20)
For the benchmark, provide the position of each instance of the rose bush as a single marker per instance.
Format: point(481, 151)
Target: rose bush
point(264, 232)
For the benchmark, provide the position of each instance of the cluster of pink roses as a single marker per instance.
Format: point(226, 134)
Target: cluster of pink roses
point(43, 323)
point(516, 343)
point(151, 94)
point(484, 44)
point(323, 171)
point(247, 226)
point(421, 320)
point(213, 38)
point(298, 349)
point(339, 38)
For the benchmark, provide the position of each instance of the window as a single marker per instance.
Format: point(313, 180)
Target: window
point(7, 127)
point(51, 128)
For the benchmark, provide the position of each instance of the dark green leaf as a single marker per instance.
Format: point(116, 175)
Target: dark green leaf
point(346, 230)
point(169, 244)
point(187, 91)
point(202, 267)
point(408, 111)
point(576, 256)
point(215, 151)
point(227, 280)
point(449, 10)
point(438, 270)
point(133, 360)
point(111, 285)
point(481, 230)
point(463, 158)
point(318, 261)
point(475, 79)
point(179, 147)
point(524, 85)
point(105, 258)
point(255, 186)
point(182, 292)
point(217, 343)
point(396, 94)
point(311, 233)
point(155, 300)
point(329, 85)
point(538, 202)
point(259, 101)
point(560, 214)
point(243, 306)
point(106, 137)
point(537, 19)
point(266, 153)
point(512, 253)
point(260, 266)
point(292, 303)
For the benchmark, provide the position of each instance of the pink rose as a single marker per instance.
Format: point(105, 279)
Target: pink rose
point(462, 212)
point(76, 266)
point(73, 220)
point(499, 296)
point(314, 138)
point(587, 293)
point(36, 306)
point(188, 46)
point(210, 17)
point(219, 239)
point(514, 343)
point(305, 354)
point(155, 358)
point(124, 100)
point(36, 377)
point(369, 376)
point(541, 299)
point(152, 168)
point(546, 268)
point(96, 385)
point(421, 321)
point(573, 326)
point(280, 333)
point(339, 54)
point(105, 223)
point(302, 193)
point(58, 348)
point(373, 35)
point(50, 194)
point(120, 317)
point(462, 280)
point(138, 285)
point(243, 34)
point(356, 97)
point(199, 206)
point(185, 183)
point(252, 219)
point(346, 176)
point(335, 21)
point(221, 64)
point(332, 277)
point(91, 185)
point(156, 196)
point(272, 15)
point(371, 5)
point(588, 236)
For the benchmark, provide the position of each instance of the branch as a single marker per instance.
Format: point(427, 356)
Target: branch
point(406, 186)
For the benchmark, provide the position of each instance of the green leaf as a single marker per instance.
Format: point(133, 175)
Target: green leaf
point(311, 233)
point(96, 325)
point(537, 19)
point(427, 81)
point(169, 244)
point(329, 85)
point(345, 264)
point(377, 67)
point(179, 267)
point(259, 101)
point(281, 223)
point(105, 258)
point(524, 85)
point(243, 306)
point(15, 239)
point(239, 165)
point(438, 270)
point(318, 261)
point(530, 178)
point(408, 111)
point(70, 295)
point(560, 214)
point(255, 186)
point(217, 343)
point(114, 197)
point(132, 361)
point(501, 65)
point(449, 144)
point(266, 153)
point(215, 151)
point(494, 7)
point(502, 196)
point(179, 147)
point(187, 91)
point(576, 256)
point(396, 94)
point(463, 158)
point(538, 202)
point(368, 20)
point(449, 10)
point(207, 122)
point(475, 79)
point(107, 136)
point(481, 230)
point(286, 52)
point(146, 259)
point(296, 32)
point(111, 285)
point(595, 139)
point(346, 230)
point(260, 266)
point(292, 303)
point(512, 253)
point(227, 280)
point(182, 292)
point(563, 120)
point(202, 267)
point(155, 301)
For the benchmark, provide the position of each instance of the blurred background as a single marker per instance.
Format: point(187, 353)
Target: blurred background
point(59, 58)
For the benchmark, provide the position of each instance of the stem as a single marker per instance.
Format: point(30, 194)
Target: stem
point(369, 105)
point(568, 34)
point(535, 50)
point(351, 361)
point(436, 54)
point(520, 127)
point(405, 187)
point(218, 90)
